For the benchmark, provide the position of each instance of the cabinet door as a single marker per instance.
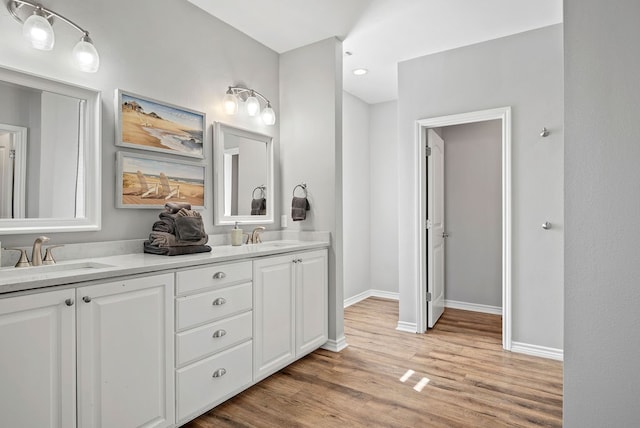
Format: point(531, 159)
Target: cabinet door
point(273, 315)
point(311, 301)
point(37, 360)
point(125, 353)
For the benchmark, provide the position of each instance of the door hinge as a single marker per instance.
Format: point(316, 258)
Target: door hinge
point(427, 151)
point(428, 297)
point(429, 225)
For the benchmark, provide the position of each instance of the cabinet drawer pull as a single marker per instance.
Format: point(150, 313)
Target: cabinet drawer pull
point(219, 333)
point(69, 302)
point(219, 275)
point(219, 301)
point(219, 373)
point(86, 299)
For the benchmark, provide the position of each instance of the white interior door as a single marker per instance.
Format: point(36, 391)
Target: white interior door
point(6, 176)
point(435, 228)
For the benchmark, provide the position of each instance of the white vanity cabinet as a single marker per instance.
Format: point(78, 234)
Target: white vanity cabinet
point(214, 320)
point(290, 309)
point(37, 360)
point(125, 353)
point(113, 340)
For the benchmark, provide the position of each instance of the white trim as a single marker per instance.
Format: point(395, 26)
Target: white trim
point(407, 327)
point(335, 345)
point(370, 293)
point(474, 307)
point(503, 114)
point(537, 351)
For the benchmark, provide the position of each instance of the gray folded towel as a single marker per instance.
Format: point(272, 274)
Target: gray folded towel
point(163, 239)
point(299, 208)
point(259, 206)
point(174, 207)
point(164, 225)
point(190, 229)
point(175, 251)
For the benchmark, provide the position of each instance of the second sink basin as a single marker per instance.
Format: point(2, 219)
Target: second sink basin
point(46, 270)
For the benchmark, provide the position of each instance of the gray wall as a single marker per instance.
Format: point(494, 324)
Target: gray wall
point(602, 206)
point(165, 49)
point(311, 151)
point(383, 137)
point(473, 212)
point(525, 72)
point(356, 196)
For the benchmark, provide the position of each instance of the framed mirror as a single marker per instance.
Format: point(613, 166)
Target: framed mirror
point(243, 176)
point(50, 172)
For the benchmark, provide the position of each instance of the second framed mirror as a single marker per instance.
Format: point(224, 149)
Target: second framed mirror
point(243, 176)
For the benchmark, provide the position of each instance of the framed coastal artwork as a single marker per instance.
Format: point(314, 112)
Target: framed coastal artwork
point(148, 124)
point(150, 182)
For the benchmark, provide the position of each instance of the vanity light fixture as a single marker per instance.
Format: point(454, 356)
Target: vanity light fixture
point(37, 29)
point(251, 99)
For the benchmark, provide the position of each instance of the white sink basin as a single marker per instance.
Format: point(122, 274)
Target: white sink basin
point(51, 270)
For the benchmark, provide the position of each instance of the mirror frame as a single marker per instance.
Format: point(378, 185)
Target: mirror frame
point(91, 124)
point(220, 219)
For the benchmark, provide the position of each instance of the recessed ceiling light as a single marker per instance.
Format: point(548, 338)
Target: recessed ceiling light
point(360, 71)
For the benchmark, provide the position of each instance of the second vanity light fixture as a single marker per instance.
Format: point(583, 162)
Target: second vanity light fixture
point(37, 29)
point(251, 99)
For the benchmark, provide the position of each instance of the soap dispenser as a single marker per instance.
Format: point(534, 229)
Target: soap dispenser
point(236, 235)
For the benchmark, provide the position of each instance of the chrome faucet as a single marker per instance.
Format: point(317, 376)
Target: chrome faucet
point(36, 254)
point(254, 237)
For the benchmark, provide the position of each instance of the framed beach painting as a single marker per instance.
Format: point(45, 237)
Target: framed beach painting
point(150, 182)
point(148, 124)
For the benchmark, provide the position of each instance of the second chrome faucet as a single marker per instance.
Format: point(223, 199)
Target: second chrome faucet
point(254, 237)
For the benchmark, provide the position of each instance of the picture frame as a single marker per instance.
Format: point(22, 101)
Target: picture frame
point(148, 124)
point(144, 181)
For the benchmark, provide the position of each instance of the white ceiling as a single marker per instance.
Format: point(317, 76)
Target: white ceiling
point(381, 33)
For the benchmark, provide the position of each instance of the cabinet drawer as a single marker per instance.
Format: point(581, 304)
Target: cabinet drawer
point(210, 338)
point(213, 305)
point(196, 387)
point(214, 276)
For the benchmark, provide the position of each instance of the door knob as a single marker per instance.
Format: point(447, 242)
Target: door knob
point(546, 225)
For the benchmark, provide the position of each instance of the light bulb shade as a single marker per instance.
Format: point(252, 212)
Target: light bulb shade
point(86, 56)
point(230, 103)
point(253, 106)
point(38, 31)
point(268, 115)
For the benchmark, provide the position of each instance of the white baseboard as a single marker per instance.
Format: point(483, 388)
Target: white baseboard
point(335, 345)
point(371, 293)
point(407, 327)
point(453, 304)
point(537, 351)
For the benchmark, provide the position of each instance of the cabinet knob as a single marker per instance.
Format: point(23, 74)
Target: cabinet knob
point(219, 301)
point(219, 275)
point(219, 333)
point(86, 299)
point(219, 373)
point(68, 302)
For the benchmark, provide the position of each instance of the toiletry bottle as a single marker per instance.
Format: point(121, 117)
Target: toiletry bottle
point(236, 235)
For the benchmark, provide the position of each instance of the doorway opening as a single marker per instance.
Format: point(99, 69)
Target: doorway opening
point(431, 268)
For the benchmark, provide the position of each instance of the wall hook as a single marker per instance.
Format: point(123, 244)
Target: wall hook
point(544, 133)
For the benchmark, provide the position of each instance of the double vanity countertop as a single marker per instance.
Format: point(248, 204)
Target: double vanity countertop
point(99, 268)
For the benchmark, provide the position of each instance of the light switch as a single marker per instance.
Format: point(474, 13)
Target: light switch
point(283, 221)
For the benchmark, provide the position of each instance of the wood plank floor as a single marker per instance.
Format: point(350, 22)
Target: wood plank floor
point(457, 375)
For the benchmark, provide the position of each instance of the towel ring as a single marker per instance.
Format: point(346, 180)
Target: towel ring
point(261, 188)
point(303, 186)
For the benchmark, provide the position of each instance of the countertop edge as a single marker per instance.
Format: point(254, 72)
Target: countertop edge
point(142, 263)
